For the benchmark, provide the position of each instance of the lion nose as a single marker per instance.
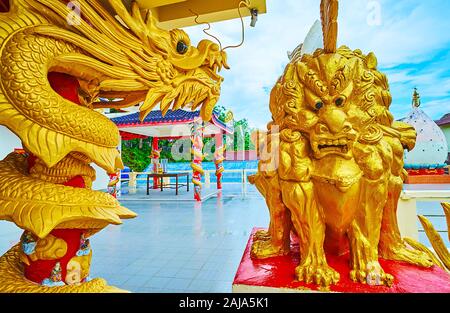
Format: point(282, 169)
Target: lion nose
point(336, 121)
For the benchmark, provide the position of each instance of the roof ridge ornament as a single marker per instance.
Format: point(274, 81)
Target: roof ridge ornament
point(416, 102)
point(329, 14)
point(313, 40)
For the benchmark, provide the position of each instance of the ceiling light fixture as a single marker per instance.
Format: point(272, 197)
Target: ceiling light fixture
point(254, 13)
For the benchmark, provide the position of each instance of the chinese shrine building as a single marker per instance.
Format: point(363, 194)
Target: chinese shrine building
point(179, 124)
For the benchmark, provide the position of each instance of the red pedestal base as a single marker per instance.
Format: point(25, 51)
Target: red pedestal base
point(278, 275)
point(428, 179)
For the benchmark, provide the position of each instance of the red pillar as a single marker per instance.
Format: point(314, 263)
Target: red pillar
point(56, 271)
point(155, 155)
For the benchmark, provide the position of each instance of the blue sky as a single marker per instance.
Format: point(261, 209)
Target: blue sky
point(411, 39)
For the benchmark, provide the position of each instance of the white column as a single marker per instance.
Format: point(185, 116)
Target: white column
point(407, 218)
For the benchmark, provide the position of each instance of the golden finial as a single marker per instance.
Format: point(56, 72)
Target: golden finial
point(416, 99)
point(329, 14)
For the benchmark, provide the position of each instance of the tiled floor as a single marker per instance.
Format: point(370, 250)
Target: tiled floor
point(179, 246)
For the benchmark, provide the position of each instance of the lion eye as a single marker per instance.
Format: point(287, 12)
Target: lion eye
point(318, 105)
point(339, 101)
point(182, 47)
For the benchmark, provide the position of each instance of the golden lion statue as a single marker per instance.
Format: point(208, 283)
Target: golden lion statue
point(333, 171)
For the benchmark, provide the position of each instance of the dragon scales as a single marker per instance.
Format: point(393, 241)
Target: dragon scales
point(54, 68)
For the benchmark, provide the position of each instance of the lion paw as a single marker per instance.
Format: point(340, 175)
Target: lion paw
point(322, 275)
point(264, 248)
point(373, 274)
point(261, 235)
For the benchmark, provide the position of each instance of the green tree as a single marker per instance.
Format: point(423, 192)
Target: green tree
point(221, 112)
point(136, 154)
point(242, 136)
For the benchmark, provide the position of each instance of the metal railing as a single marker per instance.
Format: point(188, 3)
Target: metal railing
point(407, 208)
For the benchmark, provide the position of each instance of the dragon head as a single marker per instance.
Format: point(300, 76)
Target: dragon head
point(122, 55)
point(157, 66)
point(128, 56)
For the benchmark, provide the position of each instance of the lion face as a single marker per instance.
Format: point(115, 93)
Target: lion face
point(334, 100)
point(333, 134)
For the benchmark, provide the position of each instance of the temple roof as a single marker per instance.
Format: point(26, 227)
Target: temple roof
point(173, 124)
point(445, 120)
point(155, 117)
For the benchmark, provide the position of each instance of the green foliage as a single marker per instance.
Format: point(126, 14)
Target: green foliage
point(241, 140)
point(136, 154)
point(221, 112)
point(165, 146)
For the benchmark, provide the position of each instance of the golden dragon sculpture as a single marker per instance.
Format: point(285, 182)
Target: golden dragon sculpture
point(46, 52)
point(332, 165)
point(441, 254)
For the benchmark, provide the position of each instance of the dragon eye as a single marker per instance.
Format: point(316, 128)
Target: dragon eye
point(318, 105)
point(182, 47)
point(339, 101)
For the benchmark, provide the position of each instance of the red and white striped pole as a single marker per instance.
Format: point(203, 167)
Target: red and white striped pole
point(218, 159)
point(156, 153)
point(197, 151)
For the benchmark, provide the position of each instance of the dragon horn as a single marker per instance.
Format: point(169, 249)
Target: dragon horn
point(329, 14)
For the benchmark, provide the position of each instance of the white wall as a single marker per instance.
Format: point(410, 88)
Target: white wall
point(446, 131)
point(8, 141)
